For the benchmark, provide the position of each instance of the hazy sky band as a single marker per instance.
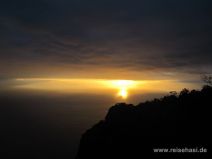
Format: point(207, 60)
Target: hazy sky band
point(95, 86)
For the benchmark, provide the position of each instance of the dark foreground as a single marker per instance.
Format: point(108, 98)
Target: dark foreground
point(45, 126)
point(175, 123)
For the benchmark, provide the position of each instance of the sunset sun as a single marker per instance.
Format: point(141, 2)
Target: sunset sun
point(123, 86)
point(123, 93)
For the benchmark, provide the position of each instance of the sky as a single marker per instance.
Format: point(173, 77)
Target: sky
point(107, 39)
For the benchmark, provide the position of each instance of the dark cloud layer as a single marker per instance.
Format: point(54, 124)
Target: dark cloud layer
point(134, 35)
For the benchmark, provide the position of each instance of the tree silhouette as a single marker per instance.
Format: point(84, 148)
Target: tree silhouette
point(207, 79)
point(184, 92)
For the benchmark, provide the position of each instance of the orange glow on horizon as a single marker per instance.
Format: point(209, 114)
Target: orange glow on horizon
point(120, 88)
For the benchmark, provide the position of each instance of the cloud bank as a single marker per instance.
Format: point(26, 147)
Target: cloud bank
point(105, 39)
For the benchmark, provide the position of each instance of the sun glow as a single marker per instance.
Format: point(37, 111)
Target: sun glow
point(118, 88)
point(123, 93)
point(123, 86)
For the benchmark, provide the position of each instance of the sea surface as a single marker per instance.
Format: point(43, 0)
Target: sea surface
point(45, 125)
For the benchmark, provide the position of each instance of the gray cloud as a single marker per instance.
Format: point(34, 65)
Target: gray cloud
point(132, 35)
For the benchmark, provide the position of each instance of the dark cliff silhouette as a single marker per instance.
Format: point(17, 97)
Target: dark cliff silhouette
point(134, 131)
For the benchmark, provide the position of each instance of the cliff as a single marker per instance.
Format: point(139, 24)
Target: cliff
point(130, 131)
